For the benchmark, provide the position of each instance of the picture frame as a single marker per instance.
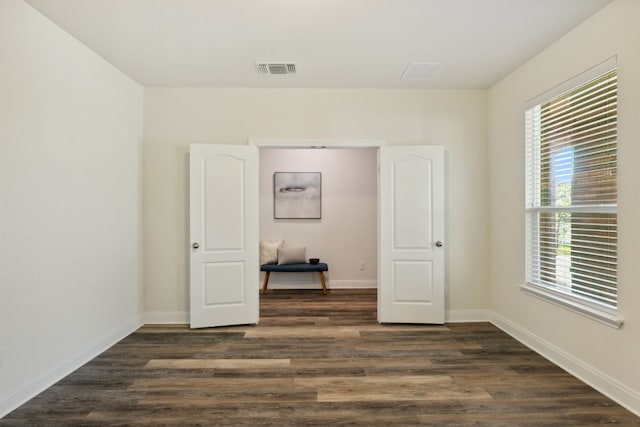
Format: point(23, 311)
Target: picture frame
point(297, 195)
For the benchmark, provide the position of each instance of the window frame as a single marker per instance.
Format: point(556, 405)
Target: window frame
point(605, 314)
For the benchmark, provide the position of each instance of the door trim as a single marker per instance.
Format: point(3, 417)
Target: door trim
point(317, 143)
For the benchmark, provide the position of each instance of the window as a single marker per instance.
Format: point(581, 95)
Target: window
point(571, 196)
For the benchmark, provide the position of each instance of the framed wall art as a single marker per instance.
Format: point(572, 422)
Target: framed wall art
point(297, 195)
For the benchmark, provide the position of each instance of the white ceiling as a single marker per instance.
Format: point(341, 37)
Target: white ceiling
point(334, 43)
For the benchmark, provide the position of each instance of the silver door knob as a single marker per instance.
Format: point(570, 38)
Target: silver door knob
point(195, 245)
point(439, 244)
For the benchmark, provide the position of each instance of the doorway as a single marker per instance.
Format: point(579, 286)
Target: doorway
point(224, 232)
point(346, 234)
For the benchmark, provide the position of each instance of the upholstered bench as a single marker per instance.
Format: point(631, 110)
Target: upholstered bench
point(320, 267)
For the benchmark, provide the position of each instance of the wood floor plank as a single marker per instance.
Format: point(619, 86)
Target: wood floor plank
point(334, 363)
point(319, 360)
point(385, 388)
point(298, 331)
point(217, 363)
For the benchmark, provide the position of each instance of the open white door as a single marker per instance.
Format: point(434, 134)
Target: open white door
point(224, 268)
point(411, 266)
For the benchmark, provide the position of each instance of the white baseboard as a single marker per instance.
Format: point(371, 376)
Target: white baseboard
point(605, 384)
point(21, 395)
point(460, 316)
point(166, 317)
point(182, 317)
point(354, 284)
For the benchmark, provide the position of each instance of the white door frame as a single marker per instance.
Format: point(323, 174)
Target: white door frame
point(318, 143)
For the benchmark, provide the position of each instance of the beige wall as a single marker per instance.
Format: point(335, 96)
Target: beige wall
point(70, 203)
point(606, 357)
point(177, 117)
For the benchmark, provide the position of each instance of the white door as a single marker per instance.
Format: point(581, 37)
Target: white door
point(411, 267)
point(224, 235)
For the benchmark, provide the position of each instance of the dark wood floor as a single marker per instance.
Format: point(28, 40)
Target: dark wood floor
point(320, 360)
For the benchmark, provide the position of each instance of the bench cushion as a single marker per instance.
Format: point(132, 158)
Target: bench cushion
point(292, 268)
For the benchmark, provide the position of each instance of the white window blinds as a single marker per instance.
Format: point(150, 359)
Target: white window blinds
point(571, 192)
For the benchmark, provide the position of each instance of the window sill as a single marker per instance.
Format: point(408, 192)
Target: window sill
point(577, 305)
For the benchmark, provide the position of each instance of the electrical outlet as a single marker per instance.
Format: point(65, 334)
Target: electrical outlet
point(362, 265)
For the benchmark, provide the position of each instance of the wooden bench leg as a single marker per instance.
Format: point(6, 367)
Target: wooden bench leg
point(324, 286)
point(266, 281)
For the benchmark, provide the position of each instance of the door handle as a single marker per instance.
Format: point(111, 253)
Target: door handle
point(438, 244)
point(195, 245)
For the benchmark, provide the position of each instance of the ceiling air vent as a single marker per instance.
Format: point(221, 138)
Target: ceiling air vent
point(267, 68)
point(422, 70)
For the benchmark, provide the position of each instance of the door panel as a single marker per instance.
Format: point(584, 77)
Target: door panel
point(224, 235)
point(224, 193)
point(411, 276)
point(223, 272)
point(411, 205)
point(413, 281)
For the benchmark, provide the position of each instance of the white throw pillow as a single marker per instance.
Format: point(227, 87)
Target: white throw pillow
point(292, 255)
point(269, 251)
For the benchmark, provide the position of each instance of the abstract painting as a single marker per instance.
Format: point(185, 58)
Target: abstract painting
point(297, 195)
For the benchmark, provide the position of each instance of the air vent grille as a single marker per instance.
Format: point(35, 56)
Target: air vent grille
point(268, 68)
point(422, 70)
